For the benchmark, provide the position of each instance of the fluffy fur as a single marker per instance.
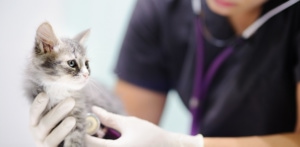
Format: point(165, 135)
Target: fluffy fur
point(60, 68)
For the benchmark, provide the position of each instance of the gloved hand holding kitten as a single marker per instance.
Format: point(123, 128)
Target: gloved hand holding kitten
point(42, 128)
point(134, 131)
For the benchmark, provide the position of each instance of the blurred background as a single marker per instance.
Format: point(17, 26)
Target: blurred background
point(18, 22)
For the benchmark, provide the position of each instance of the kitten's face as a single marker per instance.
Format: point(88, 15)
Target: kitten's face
point(61, 61)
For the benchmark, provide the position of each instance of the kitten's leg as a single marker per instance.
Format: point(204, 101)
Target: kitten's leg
point(76, 136)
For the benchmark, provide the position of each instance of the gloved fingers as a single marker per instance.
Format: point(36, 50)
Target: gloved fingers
point(98, 142)
point(60, 132)
point(50, 120)
point(37, 108)
point(109, 119)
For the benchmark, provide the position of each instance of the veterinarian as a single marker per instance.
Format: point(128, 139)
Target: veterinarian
point(234, 63)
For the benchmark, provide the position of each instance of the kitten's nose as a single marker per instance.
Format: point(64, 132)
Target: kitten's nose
point(86, 75)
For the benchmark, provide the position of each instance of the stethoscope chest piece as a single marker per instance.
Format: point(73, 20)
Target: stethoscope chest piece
point(92, 124)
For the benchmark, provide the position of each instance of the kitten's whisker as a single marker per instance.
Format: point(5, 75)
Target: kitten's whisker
point(94, 83)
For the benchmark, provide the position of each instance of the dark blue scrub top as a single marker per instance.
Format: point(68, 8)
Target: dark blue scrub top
point(253, 93)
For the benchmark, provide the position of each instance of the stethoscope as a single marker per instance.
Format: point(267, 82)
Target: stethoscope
point(203, 80)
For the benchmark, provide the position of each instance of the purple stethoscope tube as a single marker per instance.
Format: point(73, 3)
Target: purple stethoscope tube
point(203, 80)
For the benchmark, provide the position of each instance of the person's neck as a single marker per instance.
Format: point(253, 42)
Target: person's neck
point(241, 21)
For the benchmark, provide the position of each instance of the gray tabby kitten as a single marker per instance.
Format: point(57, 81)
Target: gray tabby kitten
point(60, 68)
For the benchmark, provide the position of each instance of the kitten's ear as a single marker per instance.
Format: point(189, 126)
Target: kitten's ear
point(81, 37)
point(46, 38)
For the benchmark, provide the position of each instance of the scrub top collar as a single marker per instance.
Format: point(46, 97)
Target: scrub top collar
point(224, 31)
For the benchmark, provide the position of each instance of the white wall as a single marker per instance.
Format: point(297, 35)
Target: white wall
point(18, 22)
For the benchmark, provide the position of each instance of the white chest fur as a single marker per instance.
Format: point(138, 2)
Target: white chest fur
point(56, 93)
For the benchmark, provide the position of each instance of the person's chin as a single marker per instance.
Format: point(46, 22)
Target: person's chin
point(220, 7)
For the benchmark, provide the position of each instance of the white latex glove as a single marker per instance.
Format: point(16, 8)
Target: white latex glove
point(41, 126)
point(139, 133)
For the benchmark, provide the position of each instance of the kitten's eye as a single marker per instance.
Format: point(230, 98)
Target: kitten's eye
point(87, 64)
point(72, 63)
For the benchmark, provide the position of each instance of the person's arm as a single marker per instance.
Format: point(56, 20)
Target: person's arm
point(140, 102)
point(141, 63)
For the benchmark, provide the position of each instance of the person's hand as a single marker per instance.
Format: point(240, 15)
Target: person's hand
point(137, 132)
point(43, 128)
